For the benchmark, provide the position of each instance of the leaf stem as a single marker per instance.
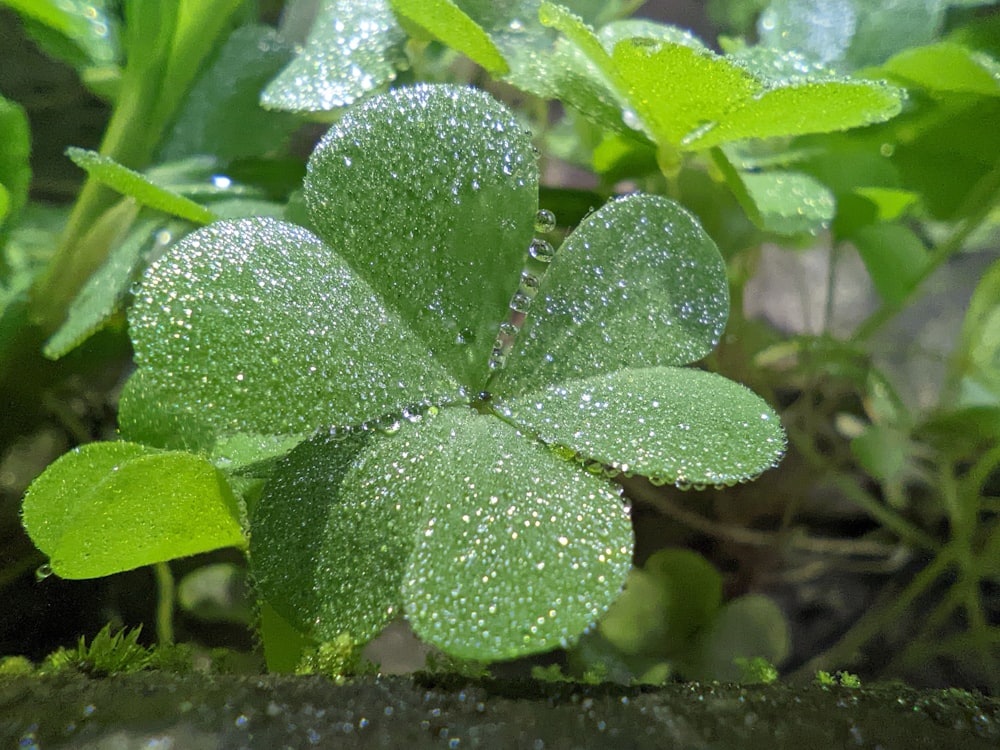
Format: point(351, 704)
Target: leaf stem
point(165, 597)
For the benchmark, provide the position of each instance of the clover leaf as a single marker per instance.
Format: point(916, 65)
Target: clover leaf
point(445, 472)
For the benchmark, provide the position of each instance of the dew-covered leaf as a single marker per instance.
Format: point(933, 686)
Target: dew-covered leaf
point(518, 551)
point(850, 33)
point(256, 326)
point(222, 115)
point(430, 193)
point(638, 283)
point(351, 50)
point(131, 183)
point(332, 533)
point(109, 507)
point(449, 23)
point(671, 424)
point(780, 201)
point(101, 296)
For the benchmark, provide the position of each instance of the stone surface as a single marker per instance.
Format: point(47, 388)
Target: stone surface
point(155, 710)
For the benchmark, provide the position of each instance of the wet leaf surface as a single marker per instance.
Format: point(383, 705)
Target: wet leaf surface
point(683, 426)
point(351, 51)
point(162, 506)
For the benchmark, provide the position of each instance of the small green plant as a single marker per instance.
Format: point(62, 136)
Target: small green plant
point(471, 411)
point(397, 383)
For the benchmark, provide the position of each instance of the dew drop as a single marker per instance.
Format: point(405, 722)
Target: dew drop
point(43, 571)
point(545, 221)
point(541, 251)
point(520, 302)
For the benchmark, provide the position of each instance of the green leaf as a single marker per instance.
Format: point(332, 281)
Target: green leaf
point(448, 23)
point(109, 507)
point(137, 186)
point(780, 201)
point(850, 33)
point(222, 115)
point(518, 551)
point(82, 33)
point(637, 284)
point(894, 256)
point(665, 604)
point(332, 533)
point(976, 362)
point(15, 169)
point(671, 424)
point(945, 67)
point(101, 296)
point(351, 50)
point(256, 326)
point(748, 627)
point(457, 190)
point(685, 96)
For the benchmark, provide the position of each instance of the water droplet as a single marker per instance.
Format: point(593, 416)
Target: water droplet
point(43, 571)
point(545, 221)
point(520, 302)
point(541, 251)
point(529, 284)
point(631, 119)
point(221, 181)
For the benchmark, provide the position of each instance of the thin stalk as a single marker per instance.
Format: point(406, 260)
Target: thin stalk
point(165, 598)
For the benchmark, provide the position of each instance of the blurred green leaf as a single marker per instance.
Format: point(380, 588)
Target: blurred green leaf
point(160, 505)
point(82, 33)
point(137, 186)
point(894, 256)
point(352, 49)
point(101, 296)
point(222, 115)
point(446, 21)
point(15, 169)
point(850, 33)
point(945, 66)
point(747, 627)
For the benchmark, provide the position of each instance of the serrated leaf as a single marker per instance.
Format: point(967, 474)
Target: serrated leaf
point(332, 534)
point(449, 23)
point(351, 50)
point(638, 283)
point(256, 326)
point(222, 115)
point(671, 424)
point(137, 186)
point(518, 551)
point(109, 507)
point(457, 189)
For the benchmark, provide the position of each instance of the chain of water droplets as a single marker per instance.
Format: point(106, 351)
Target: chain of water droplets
point(540, 254)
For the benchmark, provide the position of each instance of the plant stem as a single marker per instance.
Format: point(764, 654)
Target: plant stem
point(165, 596)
